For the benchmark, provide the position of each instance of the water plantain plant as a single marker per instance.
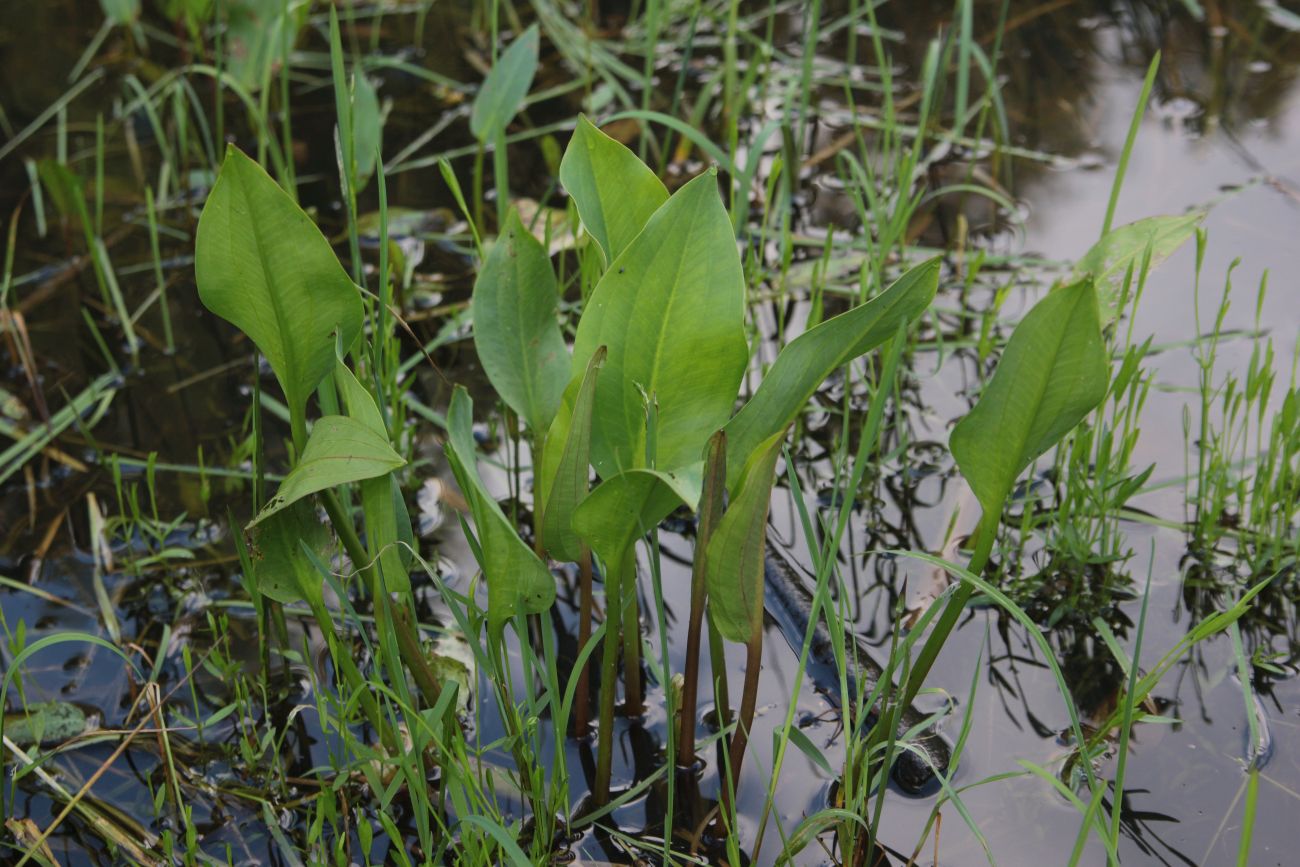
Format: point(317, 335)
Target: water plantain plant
point(647, 399)
point(262, 264)
point(637, 419)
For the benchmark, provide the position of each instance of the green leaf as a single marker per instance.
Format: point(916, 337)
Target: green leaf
point(405, 535)
point(1053, 372)
point(367, 124)
point(65, 189)
point(358, 402)
point(121, 11)
point(615, 192)
point(733, 564)
point(517, 581)
point(281, 570)
point(381, 496)
point(516, 331)
point(567, 487)
point(807, 360)
point(624, 508)
point(1119, 249)
point(47, 722)
point(505, 87)
point(193, 11)
point(670, 310)
point(547, 466)
point(341, 450)
point(262, 265)
point(807, 747)
point(259, 36)
point(383, 532)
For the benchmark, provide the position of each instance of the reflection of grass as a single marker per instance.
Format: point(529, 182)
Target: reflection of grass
point(320, 744)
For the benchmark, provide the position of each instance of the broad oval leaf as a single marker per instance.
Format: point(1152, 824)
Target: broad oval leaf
point(1053, 372)
point(670, 310)
point(281, 570)
point(733, 564)
point(624, 508)
point(516, 332)
point(807, 360)
point(341, 450)
point(262, 265)
point(615, 192)
point(517, 581)
point(1119, 249)
point(567, 488)
point(505, 87)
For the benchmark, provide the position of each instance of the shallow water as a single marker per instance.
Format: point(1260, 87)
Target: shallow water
point(1224, 127)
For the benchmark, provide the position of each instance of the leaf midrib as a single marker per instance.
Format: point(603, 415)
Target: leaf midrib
point(1040, 391)
point(530, 375)
point(292, 371)
point(653, 387)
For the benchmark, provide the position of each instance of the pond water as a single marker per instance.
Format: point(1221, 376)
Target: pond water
point(1222, 130)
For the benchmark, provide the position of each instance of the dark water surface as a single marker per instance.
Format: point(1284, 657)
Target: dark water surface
point(1223, 128)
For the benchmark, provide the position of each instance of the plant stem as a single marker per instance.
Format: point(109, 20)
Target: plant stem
point(633, 698)
point(478, 184)
point(710, 511)
point(412, 653)
point(582, 696)
point(615, 576)
point(748, 700)
point(718, 659)
point(510, 718)
point(408, 639)
point(352, 676)
point(988, 531)
point(1134, 126)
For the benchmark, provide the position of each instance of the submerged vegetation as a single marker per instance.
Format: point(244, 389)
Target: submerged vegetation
point(566, 434)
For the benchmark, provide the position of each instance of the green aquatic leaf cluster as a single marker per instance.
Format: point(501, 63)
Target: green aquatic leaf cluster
point(620, 423)
point(264, 266)
point(658, 359)
point(667, 317)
